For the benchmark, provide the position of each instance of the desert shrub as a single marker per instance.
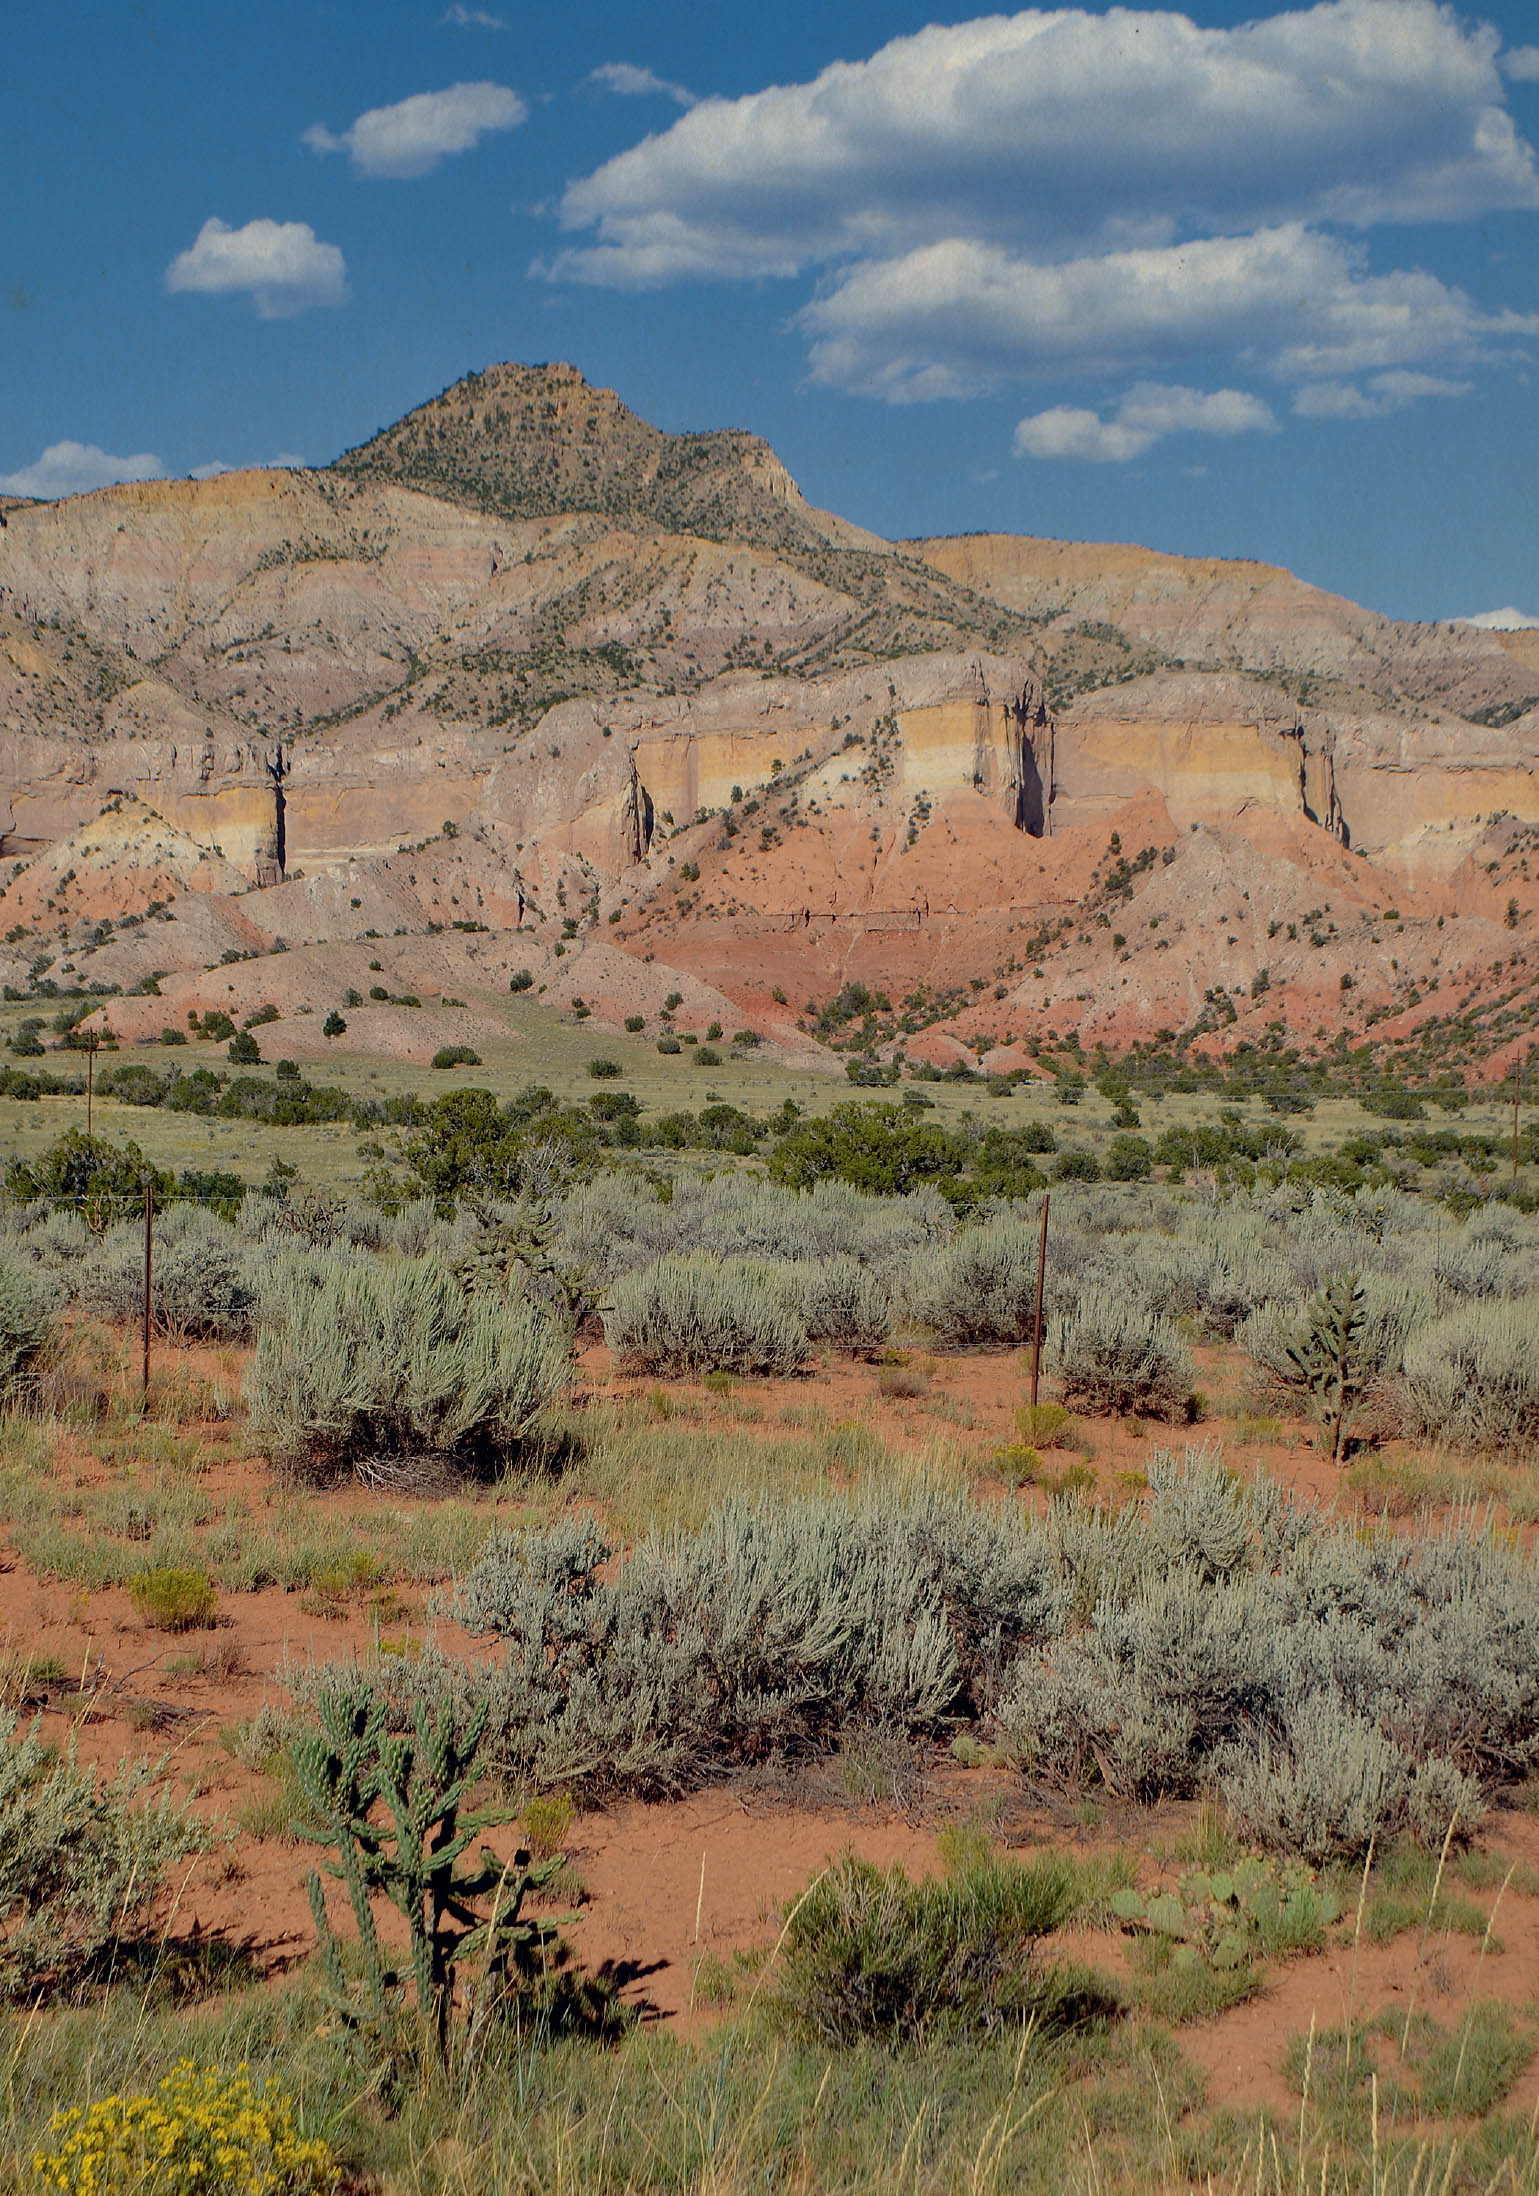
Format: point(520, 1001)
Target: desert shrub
point(1044, 1423)
point(869, 1954)
point(1334, 1687)
point(980, 1289)
point(55, 1240)
point(1217, 1277)
point(371, 1363)
point(1112, 1355)
point(81, 1859)
point(843, 1302)
point(200, 2129)
point(28, 1303)
point(173, 1600)
point(1473, 1377)
point(692, 1315)
point(547, 1823)
point(453, 1056)
point(614, 1225)
point(1335, 1780)
point(202, 1286)
point(769, 1631)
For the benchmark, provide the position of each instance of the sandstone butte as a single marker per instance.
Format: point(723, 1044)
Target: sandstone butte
point(523, 671)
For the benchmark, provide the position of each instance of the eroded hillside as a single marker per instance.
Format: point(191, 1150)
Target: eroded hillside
point(523, 672)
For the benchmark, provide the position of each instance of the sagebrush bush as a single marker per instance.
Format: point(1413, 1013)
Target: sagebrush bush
point(680, 1316)
point(1473, 1377)
point(769, 1631)
point(979, 1290)
point(202, 1283)
point(28, 1304)
point(1335, 1780)
point(843, 1302)
point(82, 1859)
point(368, 1363)
point(616, 1226)
point(1206, 1640)
point(1335, 1688)
point(1112, 1355)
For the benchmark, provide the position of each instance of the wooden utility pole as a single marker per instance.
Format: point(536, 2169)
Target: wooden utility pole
point(1517, 1097)
point(90, 1075)
point(1036, 1325)
point(149, 1250)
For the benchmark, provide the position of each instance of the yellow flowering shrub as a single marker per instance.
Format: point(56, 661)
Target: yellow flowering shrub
point(200, 2131)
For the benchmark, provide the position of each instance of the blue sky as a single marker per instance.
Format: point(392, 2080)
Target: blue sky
point(1248, 286)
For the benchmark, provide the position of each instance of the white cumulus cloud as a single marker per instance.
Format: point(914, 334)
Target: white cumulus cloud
point(75, 468)
point(415, 135)
point(1143, 417)
point(1500, 621)
point(281, 265)
point(957, 317)
point(464, 18)
point(625, 80)
point(1059, 191)
point(1384, 393)
point(1049, 130)
point(1522, 65)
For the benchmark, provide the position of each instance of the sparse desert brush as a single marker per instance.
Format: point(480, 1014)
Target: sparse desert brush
point(979, 1290)
point(1112, 1355)
point(870, 1954)
point(1044, 1424)
point(843, 1302)
point(902, 1383)
point(547, 1821)
point(1335, 1689)
point(683, 1316)
point(1473, 1377)
point(173, 1600)
point(372, 1365)
point(1017, 1463)
point(774, 1629)
point(28, 1306)
point(82, 1858)
point(203, 1281)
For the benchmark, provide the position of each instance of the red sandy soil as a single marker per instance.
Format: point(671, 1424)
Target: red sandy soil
point(670, 1883)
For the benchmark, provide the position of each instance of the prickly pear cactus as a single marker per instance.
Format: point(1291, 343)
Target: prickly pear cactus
point(1225, 1917)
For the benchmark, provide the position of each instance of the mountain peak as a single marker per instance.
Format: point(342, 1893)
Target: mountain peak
point(533, 441)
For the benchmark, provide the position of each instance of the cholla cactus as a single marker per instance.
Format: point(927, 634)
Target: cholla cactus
point(391, 1804)
point(1329, 1357)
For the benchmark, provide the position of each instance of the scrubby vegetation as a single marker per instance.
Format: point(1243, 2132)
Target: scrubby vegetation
point(690, 1576)
point(83, 1859)
point(1222, 1639)
point(691, 1315)
point(870, 1955)
point(378, 1365)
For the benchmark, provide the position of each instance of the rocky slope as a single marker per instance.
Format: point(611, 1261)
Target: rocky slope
point(523, 672)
